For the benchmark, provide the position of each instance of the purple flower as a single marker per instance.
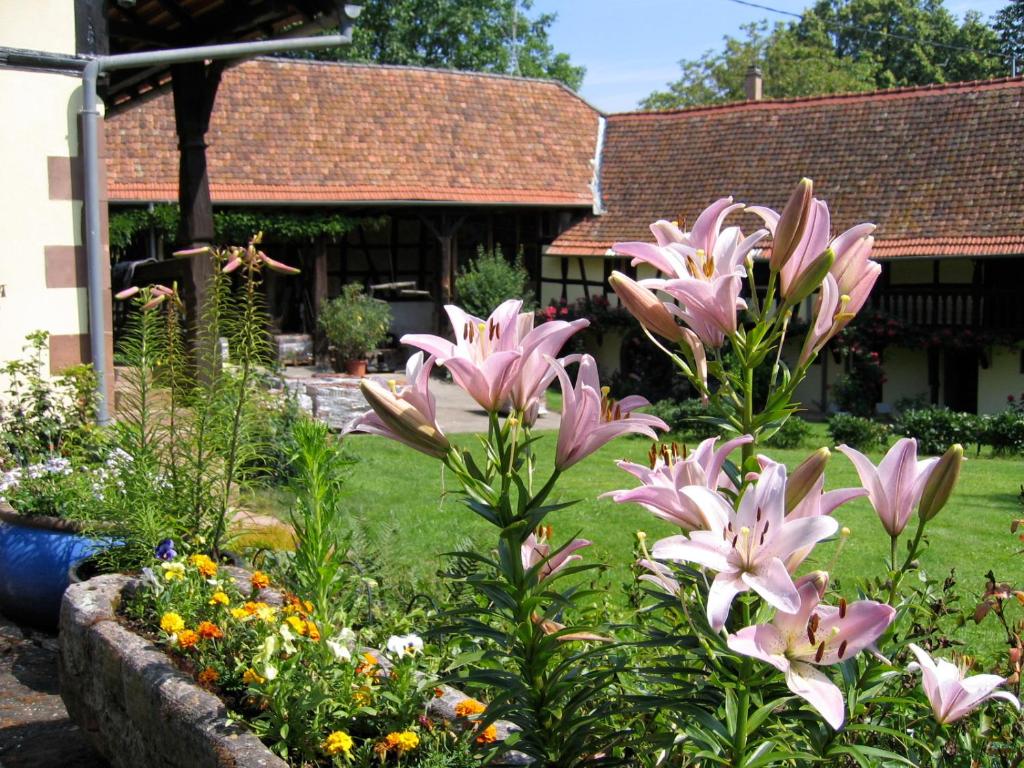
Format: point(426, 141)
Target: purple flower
point(165, 550)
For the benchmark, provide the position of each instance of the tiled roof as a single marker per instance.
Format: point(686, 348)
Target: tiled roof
point(940, 169)
point(291, 131)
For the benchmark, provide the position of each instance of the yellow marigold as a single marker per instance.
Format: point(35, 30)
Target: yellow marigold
point(266, 612)
point(292, 603)
point(240, 613)
point(172, 623)
point(338, 743)
point(259, 580)
point(489, 735)
point(220, 598)
point(206, 567)
point(469, 707)
point(209, 631)
point(173, 571)
point(208, 676)
point(296, 624)
point(368, 664)
point(308, 606)
point(402, 741)
point(187, 639)
point(312, 631)
point(252, 677)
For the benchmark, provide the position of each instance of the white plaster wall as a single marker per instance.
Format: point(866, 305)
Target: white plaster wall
point(39, 121)
point(906, 374)
point(1001, 378)
point(42, 25)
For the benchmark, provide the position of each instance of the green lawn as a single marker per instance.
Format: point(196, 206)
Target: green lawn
point(394, 487)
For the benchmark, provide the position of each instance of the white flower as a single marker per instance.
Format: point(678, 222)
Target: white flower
point(341, 653)
point(405, 645)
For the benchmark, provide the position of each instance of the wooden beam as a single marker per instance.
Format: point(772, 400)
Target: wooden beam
point(319, 298)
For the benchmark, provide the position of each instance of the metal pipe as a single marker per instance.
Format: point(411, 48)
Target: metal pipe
point(90, 159)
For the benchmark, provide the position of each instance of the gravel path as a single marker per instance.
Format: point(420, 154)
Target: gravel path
point(35, 731)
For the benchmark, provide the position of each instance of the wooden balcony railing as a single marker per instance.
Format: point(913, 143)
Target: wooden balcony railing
point(955, 306)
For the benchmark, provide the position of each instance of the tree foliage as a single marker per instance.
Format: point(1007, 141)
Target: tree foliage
point(1009, 24)
point(842, 46)
point(474, 35)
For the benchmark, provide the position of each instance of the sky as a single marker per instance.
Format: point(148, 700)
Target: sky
point(632, 47)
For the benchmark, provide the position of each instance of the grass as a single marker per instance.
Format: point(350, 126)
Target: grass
point(394, 488)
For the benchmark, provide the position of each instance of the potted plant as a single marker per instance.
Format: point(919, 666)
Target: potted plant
point(49, 469)
point(354, 324)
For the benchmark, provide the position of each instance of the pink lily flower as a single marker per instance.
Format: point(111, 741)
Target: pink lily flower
point(536, 550)
point(797, 642)
point(951, 694)
point(812, 243)
point(660, 575)
point(501, 358)
point(748, 547)
point(896, 484)
point(590, 418)
point(668, 474)
point(408, 415)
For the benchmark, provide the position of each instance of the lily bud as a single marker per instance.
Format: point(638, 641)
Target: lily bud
point(645, 307)
point(804, 477)
point(402, 418)
point(940, 483)
point(792, 224)
point(808, 281)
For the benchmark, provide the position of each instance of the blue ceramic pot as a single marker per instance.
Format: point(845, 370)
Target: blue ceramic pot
point(35, 555)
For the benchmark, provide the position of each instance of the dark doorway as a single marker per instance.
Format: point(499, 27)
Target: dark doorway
point(960, 377)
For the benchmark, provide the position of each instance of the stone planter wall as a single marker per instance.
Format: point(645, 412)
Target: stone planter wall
point(135, 706)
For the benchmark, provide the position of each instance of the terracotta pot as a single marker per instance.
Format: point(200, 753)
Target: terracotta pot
point(355, 367)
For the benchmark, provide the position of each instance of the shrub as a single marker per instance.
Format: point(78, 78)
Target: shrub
point(857, 432)
point(355, 323)
point(491, 279)
point(1004, 431)
point(938, 428)
point(686, 417)
point(792, 434)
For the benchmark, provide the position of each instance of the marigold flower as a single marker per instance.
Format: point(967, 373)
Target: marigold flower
point(220, 598)
point(187, 639)
point(206, 567)
point(338, 743)
point(173, 571)
point(402, 741)
point(259, 580)
point(207, 630)
point(363, 695)
point(469, 707)
point(208, 676)
point(368, 664)
point(489, 735)
point(312, 631)
point(172, 623)
point(240, 613)
point(296, 624)
point(252, 677)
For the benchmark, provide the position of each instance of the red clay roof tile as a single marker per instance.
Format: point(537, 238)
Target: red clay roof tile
point(316, 132)
point(938, 168)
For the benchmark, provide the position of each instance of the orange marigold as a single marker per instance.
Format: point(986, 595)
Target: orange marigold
point(208, 676)
point(402, 741)
point(312, 631)
point(187, 639)
point(469, 707)
point(204, 565)
point(489, 735)
point(252, 677)
point(259, 580)
point(209, 631)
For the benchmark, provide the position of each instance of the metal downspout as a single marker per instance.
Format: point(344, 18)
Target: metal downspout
point(90, 160)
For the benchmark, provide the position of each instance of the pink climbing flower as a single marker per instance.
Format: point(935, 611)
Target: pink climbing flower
point(590, 418)
point(749, 546)
point(950, 693)
point(896, 484)
point(668, 473)
point(501, 359)
point(814, 635)
point(408, 415)
point(536, 550)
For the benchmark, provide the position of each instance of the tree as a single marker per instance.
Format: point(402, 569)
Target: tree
point(1009, 23)
point(474, 35)
point(842, 46)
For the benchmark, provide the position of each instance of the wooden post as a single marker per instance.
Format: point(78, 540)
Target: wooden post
point(445, 234)
point(319, 297)
point(194, 86)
